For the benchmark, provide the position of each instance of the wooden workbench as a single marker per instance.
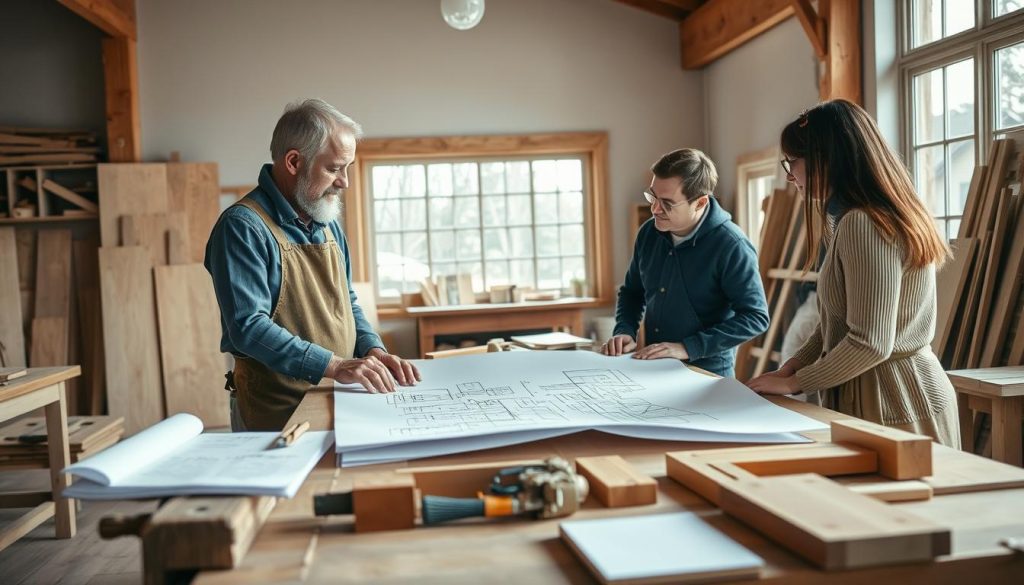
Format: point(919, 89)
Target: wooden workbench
point(294, 545)
point(562, 314)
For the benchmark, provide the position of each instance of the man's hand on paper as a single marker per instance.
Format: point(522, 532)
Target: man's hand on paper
point(403, 370)
point(369, 372)
point(775, 383)
point(618, 345)
point(657, 351)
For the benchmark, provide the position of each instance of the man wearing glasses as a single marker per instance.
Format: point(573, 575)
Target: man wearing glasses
point(693, 277)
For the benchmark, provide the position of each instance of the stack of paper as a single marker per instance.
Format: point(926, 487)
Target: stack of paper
point(490, 400)
point(663, 548)
point(555, 340)
point(175, 458)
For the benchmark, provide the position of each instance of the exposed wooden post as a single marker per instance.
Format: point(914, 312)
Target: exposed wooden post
point(114, 17)
point(842, 78)
point(719, 26)
point(121, 79)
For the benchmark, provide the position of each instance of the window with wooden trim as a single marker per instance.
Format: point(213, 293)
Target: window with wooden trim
point(962, 78)
point(757, 176)
point(524, 210)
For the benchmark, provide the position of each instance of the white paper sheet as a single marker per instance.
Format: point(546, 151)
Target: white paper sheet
point(173, 457)
point(657, 547)
point(499, 393)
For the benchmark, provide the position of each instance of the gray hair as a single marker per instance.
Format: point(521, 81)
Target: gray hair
point(696, 171)
point(305, 126)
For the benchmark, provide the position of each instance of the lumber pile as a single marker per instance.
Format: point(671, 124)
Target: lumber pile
point(161, 321)
point(980, 323)
point(29, 147)
point(23, 442)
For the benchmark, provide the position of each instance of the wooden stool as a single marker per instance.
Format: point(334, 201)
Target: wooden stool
point(1001, 392)
point(43, 388)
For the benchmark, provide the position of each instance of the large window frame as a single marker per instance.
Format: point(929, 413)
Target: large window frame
point(981, 42)
point(591, 147)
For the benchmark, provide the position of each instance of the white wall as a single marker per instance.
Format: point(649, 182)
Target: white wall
point(753, 92)
point(215, 76)
point(51, 66)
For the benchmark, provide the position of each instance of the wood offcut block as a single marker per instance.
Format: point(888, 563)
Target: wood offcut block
point(901, 455)
point(384, 502)
point(830, 525)
point(616, 483)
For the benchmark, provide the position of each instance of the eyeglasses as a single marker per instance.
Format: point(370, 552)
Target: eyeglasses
point(787, 165)
point(666, 204)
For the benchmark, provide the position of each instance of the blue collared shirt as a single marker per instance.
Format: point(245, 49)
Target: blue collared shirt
point(244, 260)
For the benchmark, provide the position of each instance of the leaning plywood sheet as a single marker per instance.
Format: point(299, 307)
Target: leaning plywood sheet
point(163, 234)
point(193, 366)
point(12, 333)
point(195, 189)
point(87, 274)
point(831, 526)
point(129, 188)
point(50, 327)
point(996, 341)
point(130, 337)
point(950, 284)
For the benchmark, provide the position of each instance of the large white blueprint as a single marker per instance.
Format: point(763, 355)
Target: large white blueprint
point(481, 401)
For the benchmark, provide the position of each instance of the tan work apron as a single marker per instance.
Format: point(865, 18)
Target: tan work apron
point(313, 304)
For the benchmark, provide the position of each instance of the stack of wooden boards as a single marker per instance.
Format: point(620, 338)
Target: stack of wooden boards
point(161, 322)
point(40, 146)
point(23, 442)
point(980, 322)
point(781, 257)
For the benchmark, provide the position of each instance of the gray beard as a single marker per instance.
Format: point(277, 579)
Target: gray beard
point(322, 209)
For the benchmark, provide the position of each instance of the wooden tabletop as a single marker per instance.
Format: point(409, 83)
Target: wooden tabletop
point(295, 545)
point(37, 378)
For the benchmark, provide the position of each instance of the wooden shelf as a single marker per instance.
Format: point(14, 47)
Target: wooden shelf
point(46, 219)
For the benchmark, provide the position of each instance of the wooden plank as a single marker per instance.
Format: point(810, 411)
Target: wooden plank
point(87, 274)
point(969, 304)
point(121, 84)
point(130, 342)
point(951, 281)
point(616, 483)
point(129, 189)
point(193, 366)
point(14, 160)
point(1007, 295)
point(153, 232)
point(719, 26)
point(12, 332)
point(49, 342)
point(831, 526)
point(988, 284)
point(53, 274)
point(194, 188)
point(69, 196)
point(901, 455)
point(25, 523)
point(973, 202)
point(105, 15)
point(893, 491)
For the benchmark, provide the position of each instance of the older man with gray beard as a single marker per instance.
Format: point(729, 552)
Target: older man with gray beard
point(281, 270)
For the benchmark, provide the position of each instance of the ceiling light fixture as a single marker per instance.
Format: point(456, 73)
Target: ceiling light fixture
point(462, 14)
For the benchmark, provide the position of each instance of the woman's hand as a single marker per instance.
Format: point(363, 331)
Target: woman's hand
point(775, 384)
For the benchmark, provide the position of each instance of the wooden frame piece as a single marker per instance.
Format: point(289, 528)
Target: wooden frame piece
point(901, 455)
point(616, 483)
point(592, 146)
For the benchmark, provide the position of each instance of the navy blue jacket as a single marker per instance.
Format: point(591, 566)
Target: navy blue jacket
point(705, 293)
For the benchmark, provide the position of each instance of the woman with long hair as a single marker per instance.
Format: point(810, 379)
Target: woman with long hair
point(871, 356)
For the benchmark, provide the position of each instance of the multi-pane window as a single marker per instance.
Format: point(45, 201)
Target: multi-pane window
point(963, 79)
point(503, 221)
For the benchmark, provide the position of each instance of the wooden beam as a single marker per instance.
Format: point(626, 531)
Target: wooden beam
point(813, 25)
point(719, 26)
point(842, 77)
point(109, 16)
point(120, 73)
point(677, 10)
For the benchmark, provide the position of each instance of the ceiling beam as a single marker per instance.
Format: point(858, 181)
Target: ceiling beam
point(842, 78)
point(719, 26)
point(676, 10)
point(813, 24)
point(107, 15)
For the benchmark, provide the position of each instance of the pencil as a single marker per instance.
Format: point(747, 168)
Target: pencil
point(290, 435)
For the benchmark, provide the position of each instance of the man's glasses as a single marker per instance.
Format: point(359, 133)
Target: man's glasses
point(652, 199)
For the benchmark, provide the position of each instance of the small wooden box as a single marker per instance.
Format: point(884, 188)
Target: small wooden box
point(384, 502)
point(615, 483)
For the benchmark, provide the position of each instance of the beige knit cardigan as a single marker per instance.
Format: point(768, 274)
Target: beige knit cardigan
point(871, 355)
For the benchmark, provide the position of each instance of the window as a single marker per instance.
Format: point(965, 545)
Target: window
point(962, 69)
point(757, 174)
point(506, 210)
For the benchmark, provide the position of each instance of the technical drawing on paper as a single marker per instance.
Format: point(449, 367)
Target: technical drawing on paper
point(589, 394)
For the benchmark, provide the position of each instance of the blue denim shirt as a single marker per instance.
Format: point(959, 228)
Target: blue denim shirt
point(705, 292)
point(244, 260)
